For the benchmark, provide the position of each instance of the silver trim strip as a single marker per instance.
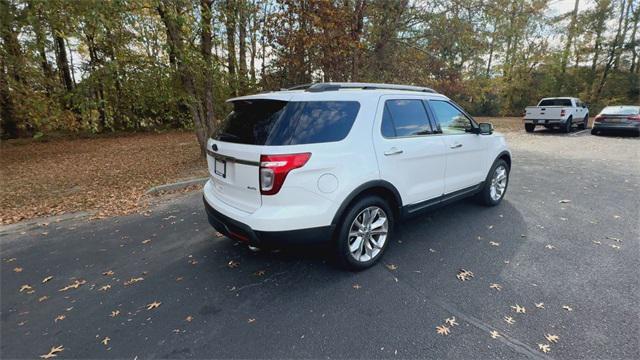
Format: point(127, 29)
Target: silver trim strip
point(232, 159)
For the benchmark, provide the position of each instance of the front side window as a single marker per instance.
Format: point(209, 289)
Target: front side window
point(451, 120)
point(275, 122)
point(405, 118)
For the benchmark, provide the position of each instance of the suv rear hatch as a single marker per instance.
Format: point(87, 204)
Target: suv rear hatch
point(259, 127)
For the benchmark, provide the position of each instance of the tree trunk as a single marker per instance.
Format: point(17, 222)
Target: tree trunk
point(8, 122)
point(205, 50)
point(634, 41)
point(616, 63)
point(242, 46)
point(230, 24)
point(63, 63)
point(612, 55)
point(356, 34)
point(567, 44)
point(175, 38)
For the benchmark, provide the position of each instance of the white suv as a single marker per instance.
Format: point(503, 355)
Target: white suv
point(341, 163)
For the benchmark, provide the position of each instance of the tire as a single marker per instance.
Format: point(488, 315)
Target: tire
point(487, 196)
point(595, 131)
point(567, 125)
point(529, 127)
point(585, 123)
point(368, 253)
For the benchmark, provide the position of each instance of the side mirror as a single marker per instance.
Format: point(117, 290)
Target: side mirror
point(485, 128)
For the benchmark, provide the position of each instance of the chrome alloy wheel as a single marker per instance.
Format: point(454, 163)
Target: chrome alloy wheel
point(498, 183)
point(368, 233)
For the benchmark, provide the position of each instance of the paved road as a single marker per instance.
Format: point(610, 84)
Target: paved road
point(296, 304)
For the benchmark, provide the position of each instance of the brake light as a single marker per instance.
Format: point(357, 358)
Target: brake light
point(274, 170)
point(598, 118)
point(562, 112)
point(634, 117)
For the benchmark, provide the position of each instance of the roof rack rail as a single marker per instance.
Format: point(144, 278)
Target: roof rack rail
point(333, 86)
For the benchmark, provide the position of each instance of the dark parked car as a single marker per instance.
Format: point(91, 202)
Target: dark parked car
point(618, 118)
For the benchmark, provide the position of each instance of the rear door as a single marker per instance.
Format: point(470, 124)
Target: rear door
point(410, 155)
point(466, 160)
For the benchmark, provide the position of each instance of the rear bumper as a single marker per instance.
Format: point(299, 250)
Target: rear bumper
point(544, 122)
point(617, 126)
point(239, 231)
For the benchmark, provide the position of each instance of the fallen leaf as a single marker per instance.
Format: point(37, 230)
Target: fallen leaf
point(250, 321)
point(431, 250)
point(108, 273)
point(153, 305)
point(615, 246)
point(392, 267)
point(52, 353)
point(597, 242)
point(564, 201)
point(519, 309)
point(567, 307)
point(494, 334)
point(76, 284)
point(25, 287)
point(451, 321)
point(146, 241)
point(549, 246)
point(106, 340)
point(493, 243)
point(42, 298)
point(540, 305)
point(552, 338)
point(356, 286)
point(115, 313)
point(544, 348)
point(260, 273)
point(11, 260)
point(509, 320)
point(442, 330)
point(464, 275)
point(495, 286)
point(48, 278)
point(17, 269)
point(233, 264)
point(189, 318)
point(59, 318)
point(133, 281)
point(614, 239)
point(104, 288)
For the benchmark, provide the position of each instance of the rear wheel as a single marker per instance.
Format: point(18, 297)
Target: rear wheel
point(495, 185)
point(585, 123)
point(529, 127)
point(364, 233)
point(567, 125)
point(595, 131)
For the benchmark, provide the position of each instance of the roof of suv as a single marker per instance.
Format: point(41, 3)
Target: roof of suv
point(328, 91)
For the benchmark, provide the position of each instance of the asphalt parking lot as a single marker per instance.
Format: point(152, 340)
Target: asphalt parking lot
point(564, 245)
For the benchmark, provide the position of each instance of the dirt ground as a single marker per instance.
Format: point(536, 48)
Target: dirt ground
point(105, 175)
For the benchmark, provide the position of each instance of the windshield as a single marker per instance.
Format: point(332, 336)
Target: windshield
point(621, 110)
point(275, 122)
point(555, 102)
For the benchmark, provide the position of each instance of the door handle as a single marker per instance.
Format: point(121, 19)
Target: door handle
point(393, 151)
point(456, 146)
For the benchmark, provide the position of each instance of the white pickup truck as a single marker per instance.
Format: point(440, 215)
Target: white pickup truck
point(562, 112)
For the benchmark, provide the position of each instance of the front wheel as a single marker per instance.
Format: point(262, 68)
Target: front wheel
point(495, 186)
point(529, 127)
point(364, 233)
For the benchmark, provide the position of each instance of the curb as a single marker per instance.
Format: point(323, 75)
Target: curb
point(176, 186)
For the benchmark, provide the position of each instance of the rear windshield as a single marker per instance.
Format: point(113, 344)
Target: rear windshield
point(275, 122)
point(555, 102)
point(621, 110)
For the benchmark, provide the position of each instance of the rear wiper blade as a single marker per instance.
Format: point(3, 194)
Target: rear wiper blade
point(227, 135)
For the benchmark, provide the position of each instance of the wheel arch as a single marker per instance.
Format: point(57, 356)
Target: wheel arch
point(506, 156)
point(381, 188)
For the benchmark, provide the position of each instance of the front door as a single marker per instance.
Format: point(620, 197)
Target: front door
point(466, 152)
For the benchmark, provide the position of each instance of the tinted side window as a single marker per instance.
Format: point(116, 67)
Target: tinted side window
point(272, 122)
point(405, 118)
point(452, 120)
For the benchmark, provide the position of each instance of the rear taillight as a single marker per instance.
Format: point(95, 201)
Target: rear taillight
point(274, 170)
point(634, 117)
point(562, 112)
point(598, 118)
